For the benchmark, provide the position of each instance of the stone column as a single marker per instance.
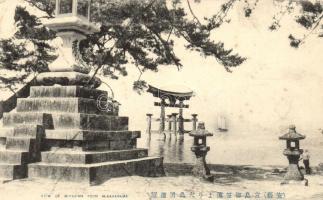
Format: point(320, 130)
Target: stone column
point(149, 123)
point(194, 121)
point(174, 123)
point(169, 122)
point(162, 116)
point(181, 118)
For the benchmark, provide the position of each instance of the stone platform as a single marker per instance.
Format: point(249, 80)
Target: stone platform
point(60, 133)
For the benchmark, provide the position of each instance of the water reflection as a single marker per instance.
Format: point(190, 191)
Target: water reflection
point(180, 148)
point(228, 149)
point(148, 142)
point(172, 148)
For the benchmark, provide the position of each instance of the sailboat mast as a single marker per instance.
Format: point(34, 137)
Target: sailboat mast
point(223, 125)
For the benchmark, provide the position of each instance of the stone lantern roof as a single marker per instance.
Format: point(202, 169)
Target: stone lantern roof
point(292, 134)
point(200, 132)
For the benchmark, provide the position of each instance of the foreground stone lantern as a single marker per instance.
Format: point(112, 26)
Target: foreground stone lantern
point(200, 149)
point(72, 24)
point(66, 129)
point(293, 153)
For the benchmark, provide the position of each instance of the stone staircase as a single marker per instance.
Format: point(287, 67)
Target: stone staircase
point(60, 133)
point(20, 145)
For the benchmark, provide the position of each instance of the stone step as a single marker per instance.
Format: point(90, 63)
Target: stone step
point(23, 130)
point(89, 122)
point(89, 140)
point(69, 105)
point(3, 135)
point(91, 145)
point(66, 91)
point(79, 157)
point(5, 132)
point(86, 135)
point(99, 172)
point(13, 119)
point(27, 130)
point(20, 143)
point(67, 121)
point(31, 145)
point(13, 171)
point(3, 143)
point(14, 157)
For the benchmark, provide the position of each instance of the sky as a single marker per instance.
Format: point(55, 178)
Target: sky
point(277, 85)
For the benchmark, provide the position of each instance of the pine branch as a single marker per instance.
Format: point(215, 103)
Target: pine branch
point(317, 23)
point(38, 6)
point(169, 53)
point(190, 8)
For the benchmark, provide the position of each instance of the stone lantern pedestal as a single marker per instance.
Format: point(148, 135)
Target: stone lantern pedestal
point(68, 131)
point(200, 149)
point(293, 171)
point(293, 153)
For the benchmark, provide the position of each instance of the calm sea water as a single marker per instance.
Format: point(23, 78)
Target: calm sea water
point(227, 148)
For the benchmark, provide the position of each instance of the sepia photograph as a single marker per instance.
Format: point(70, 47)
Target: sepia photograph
point(161, 99)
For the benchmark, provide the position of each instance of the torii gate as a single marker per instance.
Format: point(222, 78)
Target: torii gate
point(175, 100)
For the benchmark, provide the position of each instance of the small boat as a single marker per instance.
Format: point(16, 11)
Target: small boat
point(222, 124)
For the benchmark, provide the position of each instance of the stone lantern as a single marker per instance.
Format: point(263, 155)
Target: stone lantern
point(200, 149)
point(72, 24)
point(293, 153)
point(72, 131)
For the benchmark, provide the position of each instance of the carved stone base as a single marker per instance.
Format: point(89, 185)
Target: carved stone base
point(293, 182)
point(201, 169)
point(293, 173)
point(67, 78)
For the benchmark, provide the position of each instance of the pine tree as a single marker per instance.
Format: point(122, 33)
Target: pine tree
point(310, 18)
point(28, 51)
point(140, 32)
